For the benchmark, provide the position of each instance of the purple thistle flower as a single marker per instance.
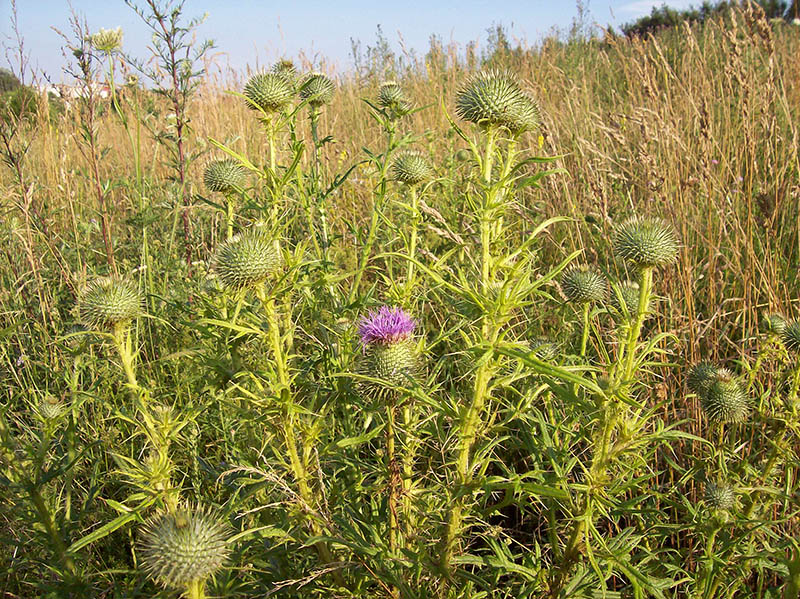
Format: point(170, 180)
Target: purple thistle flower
point(386, 326)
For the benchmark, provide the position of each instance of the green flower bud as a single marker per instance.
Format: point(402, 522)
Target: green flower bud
point(317, 89)
point(398, 364)
point(791, 336)
point(544, 348)
point(411, 168)
point(628, 293)
point(720, 496)
point(494, 99)
point(270, 92)
point(225, 176)
point(393, 100)
point(723, 400)
point(247, 259)
point(646, 242)
point(285, 68)
point(107, 40)
point(109, 301)
point(582, 284)
point(51, 407)
point(773, 324)
point(701, 376)
point(184, 547)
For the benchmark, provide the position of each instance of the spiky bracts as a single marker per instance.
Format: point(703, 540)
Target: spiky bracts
point(646, 242)
point(583, 284)
point(791, 336)
point(50, 407)
point(225, 176)
point(107, 40)
point(720, 496)
point(494, 98)
point(270, 92)
point(286, 69)
point(624, 299)
point(247, 259)
point(721, 396)
point(773, 324)
point(393, 100)
point(184, 547)
point(317, 89)
point(411, 168)
point(389, 350)
point(109, 301)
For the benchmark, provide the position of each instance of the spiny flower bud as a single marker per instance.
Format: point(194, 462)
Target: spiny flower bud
point(411, 168)
point(543, 348)
point(791, 336)
point(285, 68)
point(109, 301)
point(390, 352)
point(720, 496)
point(247, 259)
point(107, 40)
point(582, 284)
point(773, 324)
point(317, 89)
point(628, 293)
point(723, 400)
point(701, 376)
point(270, 92)
point(184, 547)
point(494, 98)
point(225, 176)
point(392, 98)
point(51, 407)
point(646, 242)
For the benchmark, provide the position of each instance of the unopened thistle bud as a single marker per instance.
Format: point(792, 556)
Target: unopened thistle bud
point(625, 298)
point(543, 348)
point(393, 100)
point(247, 259)
point(109, 301)
point(184, 547)
point(720, 496)
point(286, 69)
point(270, 92)
point(646, 242)
point(51, 407)
point(791, 336)
point(317, 89)
point(582, 284)
point(723, 400)
point(773, 324)
point(701, 376)
point(225, 176)
point(494, 99)
point(390, 352)
point(107, 40)
point(411, 168)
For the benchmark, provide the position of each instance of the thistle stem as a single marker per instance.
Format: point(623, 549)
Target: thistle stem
point(123, 344)
point(412, 244)
point(196, 590)
point(645, 286)
point(393, 477)
point(585, 334)
point(229, 217)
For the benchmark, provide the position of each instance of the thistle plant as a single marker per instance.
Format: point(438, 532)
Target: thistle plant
point(390, 361)
point(317, 89)
point(583, 286)
point(229, 178)
point(183, 549)
point(393, 101)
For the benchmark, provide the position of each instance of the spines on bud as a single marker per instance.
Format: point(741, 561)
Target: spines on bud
point(723, 399)
point(286, 69)
point(582, 284)
point(791, 336)
point(247, 259)
point(270, 92)
point(701, 376)
point(225, 176)
point(624, 299)
point(411, 168)
point(720, 496)
point(390, 352)
point(773, 324)
point(184, 547)
point(494, 99)
point(393, 100)
point(109, 301)
point(317, 89)
point(646, 242)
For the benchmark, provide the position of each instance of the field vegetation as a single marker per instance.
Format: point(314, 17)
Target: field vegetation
point(508, 322)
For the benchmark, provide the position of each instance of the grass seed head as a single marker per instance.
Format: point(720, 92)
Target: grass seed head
point(225, 176)
point(582, 284)
point(791, 336)
point(646, 242)
point(270, 92)
point(494, 98)
point(247, 259)
point(109, 301)
point(411, 168)
point(317, 89)
point(184, 547)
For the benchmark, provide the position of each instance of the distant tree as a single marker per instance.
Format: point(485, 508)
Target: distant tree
point(8, 81)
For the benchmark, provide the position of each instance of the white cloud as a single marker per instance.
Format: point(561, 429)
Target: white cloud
point(643, 7)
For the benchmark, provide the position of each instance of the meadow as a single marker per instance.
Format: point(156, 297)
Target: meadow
point(485, 323)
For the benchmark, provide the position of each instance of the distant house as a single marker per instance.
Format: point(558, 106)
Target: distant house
point(73, 92)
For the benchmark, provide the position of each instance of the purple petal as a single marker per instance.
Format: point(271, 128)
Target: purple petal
point(385, 325)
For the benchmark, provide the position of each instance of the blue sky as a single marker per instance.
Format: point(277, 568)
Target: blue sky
point(251, 32)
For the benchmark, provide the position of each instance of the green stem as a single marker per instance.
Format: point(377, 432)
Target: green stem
point(392, 475)
point(412, 244)
point(645, 286)
point(123, 344)
point(47, 521)
point(196, 590)
point(229, 217)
